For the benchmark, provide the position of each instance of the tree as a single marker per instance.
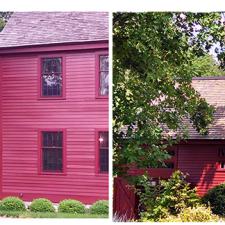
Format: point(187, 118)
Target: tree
point(205, 66)
point(4, 16)
point(154, 60)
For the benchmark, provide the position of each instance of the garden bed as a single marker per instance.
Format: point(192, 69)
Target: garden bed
point(14, 207)
point(28, 214)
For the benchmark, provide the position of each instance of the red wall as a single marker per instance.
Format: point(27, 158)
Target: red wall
point(23, 114)
point(201, 162)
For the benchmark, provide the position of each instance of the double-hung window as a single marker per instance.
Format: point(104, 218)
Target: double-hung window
point(52, 151)
point(103, 152)
point(102, 75)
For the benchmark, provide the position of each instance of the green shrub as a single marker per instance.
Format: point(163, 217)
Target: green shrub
point(215, 197)
point(71, 206)
point(170, 218)
point(41, 205)
point(100, 207)
point(198, 214)
point(177, 193)
point(12, 204)
point(193, 214)
point(169, 197)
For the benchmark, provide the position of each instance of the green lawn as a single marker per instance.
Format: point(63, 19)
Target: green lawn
point(28, 214)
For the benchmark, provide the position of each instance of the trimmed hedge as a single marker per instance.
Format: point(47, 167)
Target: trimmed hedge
point(41, 205)
point(215, 197)
point(100, 207)
point(12, 204)
point(71, 206)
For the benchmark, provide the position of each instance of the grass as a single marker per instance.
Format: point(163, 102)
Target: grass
point(29, 214)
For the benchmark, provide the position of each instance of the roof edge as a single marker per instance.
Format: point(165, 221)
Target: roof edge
point(66, 46)
point(209, 78)
point(54, 43)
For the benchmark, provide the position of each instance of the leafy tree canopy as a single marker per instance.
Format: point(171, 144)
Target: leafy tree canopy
point(4, 16)
point(205, 66)
point(155, 56)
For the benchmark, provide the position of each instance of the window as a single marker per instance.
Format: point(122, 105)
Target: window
point(103, 140)
point(171, 162)
point(222, 165)
point(51, 77)
point(221, 152)
point(103, 75)
point(52, 151)
point(221, 157)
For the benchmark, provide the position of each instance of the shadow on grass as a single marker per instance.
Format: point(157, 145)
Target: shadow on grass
point(27, 214)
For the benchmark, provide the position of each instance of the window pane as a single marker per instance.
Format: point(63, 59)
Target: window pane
point(169, 165)
point(104, 162)
point(104, 83)
point(103, 139)
point(51, 77)
point(171, 152)
point(222, 165)
point(104, 75)
point(51, 139)
point(51, 65)
point(52, 159)
point(104, 63)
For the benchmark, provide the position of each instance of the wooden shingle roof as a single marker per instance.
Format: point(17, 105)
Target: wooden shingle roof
point(213, 90)
point(37, 28)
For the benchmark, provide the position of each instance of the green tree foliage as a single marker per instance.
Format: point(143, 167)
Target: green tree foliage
point(153, 64)
point(205, 66)
point(4, 16)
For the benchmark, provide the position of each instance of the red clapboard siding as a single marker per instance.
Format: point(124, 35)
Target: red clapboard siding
point(1, 125)
point(24, 114)
point(201, 163)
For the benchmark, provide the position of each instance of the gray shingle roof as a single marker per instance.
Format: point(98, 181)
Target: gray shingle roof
point(35, 28)
point(213, 90)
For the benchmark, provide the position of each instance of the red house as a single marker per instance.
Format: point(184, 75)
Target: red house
point(202, 157)
point(54, 106)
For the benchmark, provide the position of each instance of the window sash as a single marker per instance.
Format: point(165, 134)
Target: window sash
point(104, 160)
point(51, 81)
point(52, 160)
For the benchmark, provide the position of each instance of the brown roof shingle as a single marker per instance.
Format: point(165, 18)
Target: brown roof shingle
point(36, 28)
point(213, 90)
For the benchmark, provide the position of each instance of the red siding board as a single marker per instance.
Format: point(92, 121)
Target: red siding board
point(200, 162)
point(1, 145)
point(24, 114)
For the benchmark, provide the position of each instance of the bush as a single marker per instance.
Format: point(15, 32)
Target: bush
point(193, 214)
point(177, 193)
point(71, 206)
point(100, 207)
point(198, 214)
point(41, 205)
point(170, 218)
point(12, 204)
point(215, 197)
point(169, 197)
